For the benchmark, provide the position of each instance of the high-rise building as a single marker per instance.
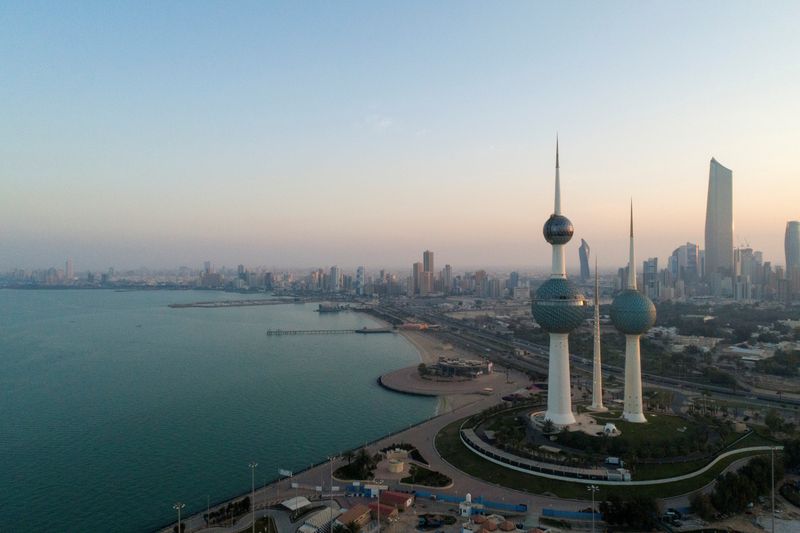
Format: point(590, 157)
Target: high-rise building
point(684, 263)
point(447, 279)
point(650, 278)
point(427, 261)
point(719, 222)
point(632, 314)
point(584, 254)
point(360, 281)
point(425, 283)
point(69, 274)
point(791, 246)
point(558, 308)
point(416, 276)
point(334, 282)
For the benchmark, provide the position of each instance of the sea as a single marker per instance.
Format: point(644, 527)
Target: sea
point(114, 406)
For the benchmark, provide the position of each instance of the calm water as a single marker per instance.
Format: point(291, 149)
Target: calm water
point(113, 406)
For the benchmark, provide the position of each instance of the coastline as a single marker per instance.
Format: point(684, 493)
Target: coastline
point(429, 349)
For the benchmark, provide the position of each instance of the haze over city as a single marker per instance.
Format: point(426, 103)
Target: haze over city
point(294, 135)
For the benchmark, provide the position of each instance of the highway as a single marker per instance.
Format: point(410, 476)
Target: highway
point(500, 349)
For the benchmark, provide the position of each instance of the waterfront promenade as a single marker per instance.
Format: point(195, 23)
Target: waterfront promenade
point(460, 403)
point(421, 436)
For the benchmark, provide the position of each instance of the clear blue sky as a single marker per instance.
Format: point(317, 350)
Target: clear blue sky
point(307, 133)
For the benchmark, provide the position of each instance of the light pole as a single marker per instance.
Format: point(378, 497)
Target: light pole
point(772, 453)
point(331, 458)
point(253, 466)
point(178, 506)
point(592, 489)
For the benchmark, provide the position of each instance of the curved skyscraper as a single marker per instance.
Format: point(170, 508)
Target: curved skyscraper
point(791, 245)
point(558, 307)
point(584, 253)
point(719, 221)
point(632, 314)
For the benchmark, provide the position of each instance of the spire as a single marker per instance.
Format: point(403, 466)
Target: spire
point(631, 260)
point(597, 367)
point(596, 290)
point(631, 218)
point(557, 207)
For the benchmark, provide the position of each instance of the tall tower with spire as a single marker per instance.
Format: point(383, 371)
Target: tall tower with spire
point(632, 314)
point(597, 366)
point(558, 308)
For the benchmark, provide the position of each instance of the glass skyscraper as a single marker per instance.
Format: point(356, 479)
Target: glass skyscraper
point(719, 221)
point(584, 253)
point(791, 244)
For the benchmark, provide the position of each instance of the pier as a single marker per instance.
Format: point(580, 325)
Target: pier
point(363, 331)
point(238, 303)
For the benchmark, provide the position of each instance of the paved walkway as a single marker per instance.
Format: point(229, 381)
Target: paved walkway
point(408, 380)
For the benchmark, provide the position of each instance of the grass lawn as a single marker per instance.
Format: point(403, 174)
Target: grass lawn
point(450, 447)
point(263, 525)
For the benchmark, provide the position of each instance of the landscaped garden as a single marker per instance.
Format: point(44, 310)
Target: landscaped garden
point(419, 475)
point(449, 445)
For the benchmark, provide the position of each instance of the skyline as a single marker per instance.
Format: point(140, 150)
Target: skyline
point(289, 135)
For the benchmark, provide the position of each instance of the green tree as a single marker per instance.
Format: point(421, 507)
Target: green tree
point(349, 456)
point(773, 421)
point(700, 504)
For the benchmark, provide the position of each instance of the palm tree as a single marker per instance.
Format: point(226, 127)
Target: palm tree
point(348, 455)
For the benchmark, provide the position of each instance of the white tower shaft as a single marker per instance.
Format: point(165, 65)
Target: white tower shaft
point(559, 391)
point(633, 410)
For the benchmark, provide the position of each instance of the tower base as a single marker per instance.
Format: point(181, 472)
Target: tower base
point(559, 389)
point(633, 410)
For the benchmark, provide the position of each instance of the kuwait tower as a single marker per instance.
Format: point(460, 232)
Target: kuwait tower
point(558, 308)
point(632, 314)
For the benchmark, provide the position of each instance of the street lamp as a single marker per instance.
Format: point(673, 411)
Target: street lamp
point(592, 489)
point(253, 466)
point(178, 506)
point(772, 453)
point(331, 459)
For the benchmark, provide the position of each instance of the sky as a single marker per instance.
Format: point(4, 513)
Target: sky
point(299, 134)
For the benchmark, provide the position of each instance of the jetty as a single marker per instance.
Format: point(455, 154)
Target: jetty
point(238, 303)
point(363, 331)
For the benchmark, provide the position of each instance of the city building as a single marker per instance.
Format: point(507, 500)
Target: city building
point(584, 254)
point(416, 276)
point(719, 222)
point(69, 273)
point(335, 279)
point(558, 308)
point(632, 314)
point(359, 515)
point(427, 261)
point(791, 245)
point(650, 281)
point(684, 263)
point(360, 281)
point(447, 279)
